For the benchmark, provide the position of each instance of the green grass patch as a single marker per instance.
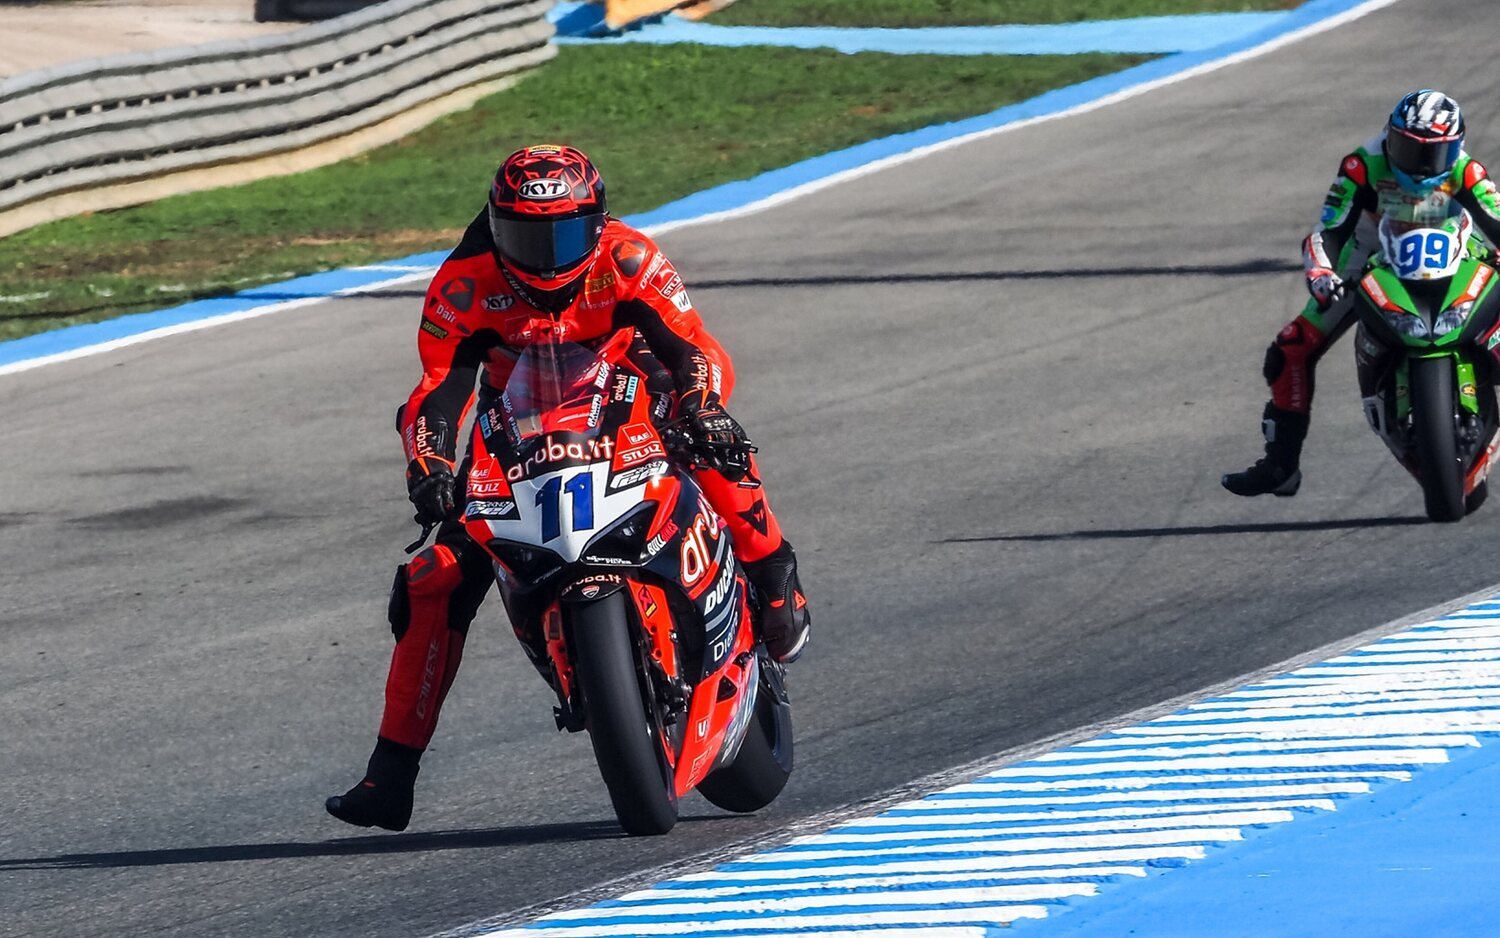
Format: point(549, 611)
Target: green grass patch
point(662, 122)
point(968, 12)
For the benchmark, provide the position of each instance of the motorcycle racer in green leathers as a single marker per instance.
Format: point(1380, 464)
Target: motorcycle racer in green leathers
point(1414, 170)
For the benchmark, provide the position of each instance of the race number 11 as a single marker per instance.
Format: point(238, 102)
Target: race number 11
point(549, 498)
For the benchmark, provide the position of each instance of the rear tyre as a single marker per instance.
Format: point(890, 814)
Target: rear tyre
point(764, 763)
point(615, 711)
point(1437, 438)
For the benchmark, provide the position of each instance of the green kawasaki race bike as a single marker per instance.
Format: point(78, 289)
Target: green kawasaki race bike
point(1426, 350)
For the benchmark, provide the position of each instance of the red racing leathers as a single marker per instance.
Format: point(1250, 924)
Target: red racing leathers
point(473, 323)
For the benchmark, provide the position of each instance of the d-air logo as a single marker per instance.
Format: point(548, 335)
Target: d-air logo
point(544, 190)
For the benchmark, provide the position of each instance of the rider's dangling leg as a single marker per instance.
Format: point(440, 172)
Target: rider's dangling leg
point(1290, 366)
point(433, 601)
point(766, 556)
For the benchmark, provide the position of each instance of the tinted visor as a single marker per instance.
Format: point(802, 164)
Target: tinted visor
point(543, 245)
point(1422, 158)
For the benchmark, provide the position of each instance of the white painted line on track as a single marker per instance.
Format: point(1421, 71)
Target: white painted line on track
point(1141, 797)
point(1135, 91)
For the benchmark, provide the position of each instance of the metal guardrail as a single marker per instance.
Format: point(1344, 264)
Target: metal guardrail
point(144, 115)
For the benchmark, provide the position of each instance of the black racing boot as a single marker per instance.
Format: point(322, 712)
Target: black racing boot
point(1276, 473)
point(384, 797)
point(784, 622)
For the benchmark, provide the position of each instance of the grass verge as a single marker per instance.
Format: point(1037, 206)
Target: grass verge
point(662, 123)
point(893, 13)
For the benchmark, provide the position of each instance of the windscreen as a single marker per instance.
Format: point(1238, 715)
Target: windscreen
point(555, 387)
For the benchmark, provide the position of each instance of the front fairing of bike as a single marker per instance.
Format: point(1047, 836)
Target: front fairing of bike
point(1441, 309)
point(552, 443)
point(573, 492)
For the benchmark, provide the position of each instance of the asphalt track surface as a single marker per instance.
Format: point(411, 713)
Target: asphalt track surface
point(994, 388)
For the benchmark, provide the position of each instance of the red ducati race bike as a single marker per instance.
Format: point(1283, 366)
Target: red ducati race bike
point(623, 585)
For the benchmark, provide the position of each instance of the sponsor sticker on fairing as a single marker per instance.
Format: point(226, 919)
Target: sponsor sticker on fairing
point(550, 450)
point(625, 388)
point(499, 508)
point(682, 302)
point(490, 423)
point(637, 476)
point(483, 489)
point(662, 539)
point(634, 434)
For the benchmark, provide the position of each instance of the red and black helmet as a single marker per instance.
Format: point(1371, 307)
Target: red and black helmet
point(547, 214)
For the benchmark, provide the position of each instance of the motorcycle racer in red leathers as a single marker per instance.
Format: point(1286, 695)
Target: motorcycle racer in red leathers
point(545, 260)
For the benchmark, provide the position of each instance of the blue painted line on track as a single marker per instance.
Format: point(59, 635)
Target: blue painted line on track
point(1150, 35)
point(723, 198)
point(1419, 860)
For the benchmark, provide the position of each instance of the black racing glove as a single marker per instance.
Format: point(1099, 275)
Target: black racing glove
point(719, 442)
point(429, 485)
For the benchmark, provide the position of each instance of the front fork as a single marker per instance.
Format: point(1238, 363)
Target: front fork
point(1385, 387)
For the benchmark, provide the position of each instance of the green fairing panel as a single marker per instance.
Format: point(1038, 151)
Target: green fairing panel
point(1468, 394)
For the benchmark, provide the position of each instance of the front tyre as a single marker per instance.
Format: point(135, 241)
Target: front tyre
point(618, 722)
point(764, 763)
point(1436, 438)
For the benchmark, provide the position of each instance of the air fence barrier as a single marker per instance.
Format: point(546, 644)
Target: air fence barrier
point(78, 136)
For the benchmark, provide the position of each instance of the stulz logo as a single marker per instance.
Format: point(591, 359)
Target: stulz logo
point(487, 489)
point(544, 190)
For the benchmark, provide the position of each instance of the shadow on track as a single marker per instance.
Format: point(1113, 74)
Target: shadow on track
point(1268, 527)
point(350, 846)
point(1248, 268)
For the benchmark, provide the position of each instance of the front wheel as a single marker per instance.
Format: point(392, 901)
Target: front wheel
point(619, 724)
point(1436, 438)
point(764, 763)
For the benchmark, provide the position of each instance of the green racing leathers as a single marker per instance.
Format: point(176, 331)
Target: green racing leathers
point(1365, 191)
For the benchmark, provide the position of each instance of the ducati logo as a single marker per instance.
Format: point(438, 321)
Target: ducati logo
point(589, 592)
